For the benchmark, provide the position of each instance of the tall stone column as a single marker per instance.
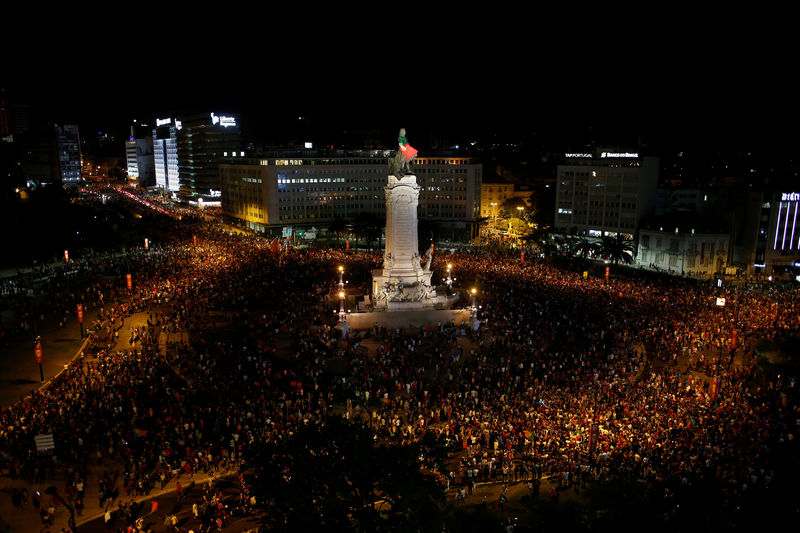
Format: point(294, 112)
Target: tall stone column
point(402, 283)
point(401, 255)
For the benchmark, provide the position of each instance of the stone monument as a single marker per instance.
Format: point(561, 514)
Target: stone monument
point(403, 282)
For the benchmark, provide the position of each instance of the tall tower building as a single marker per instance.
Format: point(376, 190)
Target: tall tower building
point(165, 154)
point(605, 192)
point(203, 142)
point(68, 154)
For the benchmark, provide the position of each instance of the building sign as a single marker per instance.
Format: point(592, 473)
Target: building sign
point(214, 193)
point(223, 120)
point(790, 196)
point(721, 302)
point(163, 122)
point(573, 155)
point(619, 155)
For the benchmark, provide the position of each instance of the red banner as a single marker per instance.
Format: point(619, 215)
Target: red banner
point(146, 244)
point(714, 388)
point(80, 313)
point(37, 351)
point(194, 238)
point(607, 271)
point(347, 243)
point(129, 281)
point(593, 433)
point(522, 257)
point(66, 256)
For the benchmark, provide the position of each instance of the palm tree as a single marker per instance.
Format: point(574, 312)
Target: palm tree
point(585, 248)
point(617, 249)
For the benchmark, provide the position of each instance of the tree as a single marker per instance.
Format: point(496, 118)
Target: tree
point(369, 227)
point(336, 227)
point(617, 249)
point(332, 476)
point(585, 248)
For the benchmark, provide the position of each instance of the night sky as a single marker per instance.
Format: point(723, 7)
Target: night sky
point(698, 98)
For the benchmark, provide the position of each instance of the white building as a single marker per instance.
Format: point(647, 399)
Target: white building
point(165, 154)
point(685, 248)
point(604, 193)
point(140, 161)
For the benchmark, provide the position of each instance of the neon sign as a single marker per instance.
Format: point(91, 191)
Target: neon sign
point(162, 122)
point(790, 196)
point(223, 120)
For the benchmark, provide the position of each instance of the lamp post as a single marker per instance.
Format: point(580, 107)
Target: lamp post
point(449, 276)
point(37, 352)
point(474, 310)
point(494, 214)
point(342, 317)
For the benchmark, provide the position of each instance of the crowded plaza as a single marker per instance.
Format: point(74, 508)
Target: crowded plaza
point(206, 343)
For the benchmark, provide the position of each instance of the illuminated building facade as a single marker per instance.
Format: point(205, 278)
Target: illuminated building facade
point(604, 192)
point(686, 248)
point(777, 250)
point(270, 193)
point(140, 159)
point(165, 154)
point(492, 197)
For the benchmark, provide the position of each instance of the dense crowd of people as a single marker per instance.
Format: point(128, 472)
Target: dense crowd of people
point(515, 399)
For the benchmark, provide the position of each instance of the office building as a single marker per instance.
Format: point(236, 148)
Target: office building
point(203, 141)
point(68, 154)
point(267, 194)
point(603, 193)
point(140, 158)
point(777, 235)
point(165, 154)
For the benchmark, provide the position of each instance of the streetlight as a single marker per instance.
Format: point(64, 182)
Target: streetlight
point(449, 276)
point(474, 310)
point(494, 214)
point(341, 295)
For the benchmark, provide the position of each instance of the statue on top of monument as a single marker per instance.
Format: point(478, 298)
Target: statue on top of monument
point(399, 164)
